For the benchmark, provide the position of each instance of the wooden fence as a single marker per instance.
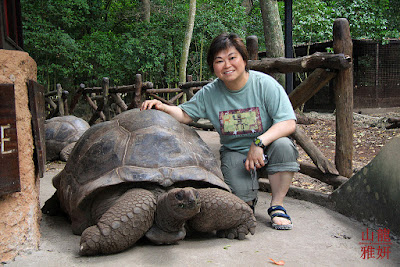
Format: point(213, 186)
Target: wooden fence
point(325, 67)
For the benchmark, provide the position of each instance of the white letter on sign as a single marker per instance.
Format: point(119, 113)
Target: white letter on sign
point(3, 140)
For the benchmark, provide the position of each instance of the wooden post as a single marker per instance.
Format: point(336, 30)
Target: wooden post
point(137, 99)
point(60, 100)
point(252, 47)
point(138, 90)
point(76, 97)
point(65, 102)
point(106, 107)
point(188, 91)
point(343, 87)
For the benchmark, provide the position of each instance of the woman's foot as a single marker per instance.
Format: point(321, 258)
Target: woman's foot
point(279, 218)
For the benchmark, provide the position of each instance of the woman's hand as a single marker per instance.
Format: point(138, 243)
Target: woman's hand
point(255, 158)
point(149, 104)
point(172, 110)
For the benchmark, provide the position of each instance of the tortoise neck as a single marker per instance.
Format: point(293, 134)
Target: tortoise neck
point(168, 217)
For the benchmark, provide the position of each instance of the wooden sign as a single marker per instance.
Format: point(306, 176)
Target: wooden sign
point(36, 106)
point(9, 164)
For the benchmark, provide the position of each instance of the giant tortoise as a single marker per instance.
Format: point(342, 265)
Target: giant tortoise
point(62, 134)
point(145, 174)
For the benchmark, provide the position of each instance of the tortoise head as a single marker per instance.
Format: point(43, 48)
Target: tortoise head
point(184, 201)
point(177, 206)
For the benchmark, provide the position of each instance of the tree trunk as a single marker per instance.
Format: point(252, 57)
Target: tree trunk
point(273, 33)
point(146, 10)
point(248, 5)
point(186, 42)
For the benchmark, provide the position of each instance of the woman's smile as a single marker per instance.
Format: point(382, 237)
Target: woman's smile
point(230, 67)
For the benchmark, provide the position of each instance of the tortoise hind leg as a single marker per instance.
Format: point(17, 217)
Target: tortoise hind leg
point(224, 212)
point(122, 225)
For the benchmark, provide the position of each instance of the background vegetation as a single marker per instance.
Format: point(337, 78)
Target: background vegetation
point(81, 41)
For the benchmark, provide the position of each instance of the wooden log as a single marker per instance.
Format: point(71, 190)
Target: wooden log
point(76, 97)
point(343, 89)
point(105, 104)
point(54, 93)
point(118, 100)
point(147, 85)
point(97, 113)
point(163, 90)
point(172, 100)
point(137, 100)
point(94, 106)
point(118, 89)
point(309, 87)
point(53, 107)
point(193, 84)
point(50, 102)
point(51, 93)
point(60, 100)
point(323, 164)
point(159, 98)
point(188, 90)
point(301, 64)
point(112, 90)
point(252, 47)
point(314, 172)
point(66, 111)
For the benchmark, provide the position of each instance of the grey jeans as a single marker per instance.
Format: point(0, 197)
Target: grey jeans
point(282, 156)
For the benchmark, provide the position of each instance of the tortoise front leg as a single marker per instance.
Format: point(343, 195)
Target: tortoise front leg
point(224, 212)
point(122, 225)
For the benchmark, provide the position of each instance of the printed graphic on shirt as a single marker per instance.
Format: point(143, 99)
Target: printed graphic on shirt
point(240, 121)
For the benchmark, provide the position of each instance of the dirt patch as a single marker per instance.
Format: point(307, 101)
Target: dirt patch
point(369, 136)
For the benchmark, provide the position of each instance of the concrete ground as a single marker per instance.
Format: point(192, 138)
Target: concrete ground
point(320, 237)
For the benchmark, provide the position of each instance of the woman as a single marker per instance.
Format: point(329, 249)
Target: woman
point(253, 116)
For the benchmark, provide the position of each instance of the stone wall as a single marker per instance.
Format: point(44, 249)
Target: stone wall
point(20, 212)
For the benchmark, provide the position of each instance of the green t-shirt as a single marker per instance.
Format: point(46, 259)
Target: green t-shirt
point(240, 116)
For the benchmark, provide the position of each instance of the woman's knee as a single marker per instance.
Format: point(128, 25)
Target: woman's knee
point(283, 149)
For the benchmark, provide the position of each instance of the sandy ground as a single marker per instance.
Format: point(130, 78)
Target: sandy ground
point(320, 237)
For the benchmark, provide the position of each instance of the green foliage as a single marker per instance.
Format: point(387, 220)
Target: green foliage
point(312, 21)
point(370, 19)
point(81, 41)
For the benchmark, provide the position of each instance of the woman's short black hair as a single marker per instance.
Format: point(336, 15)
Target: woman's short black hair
point(224, 41)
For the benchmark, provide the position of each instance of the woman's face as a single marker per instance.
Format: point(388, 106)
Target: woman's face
point(230, 67)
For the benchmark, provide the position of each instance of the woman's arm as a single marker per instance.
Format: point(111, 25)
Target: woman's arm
point(174, 111)
point(278, 130)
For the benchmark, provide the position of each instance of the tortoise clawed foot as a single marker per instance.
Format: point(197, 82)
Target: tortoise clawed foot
point(90, 241)
point(239, 232)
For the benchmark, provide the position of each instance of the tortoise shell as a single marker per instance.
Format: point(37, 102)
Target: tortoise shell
point(135, 148)
point(62, 131)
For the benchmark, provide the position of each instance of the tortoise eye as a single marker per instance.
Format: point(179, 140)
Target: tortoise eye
point(179, 195)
